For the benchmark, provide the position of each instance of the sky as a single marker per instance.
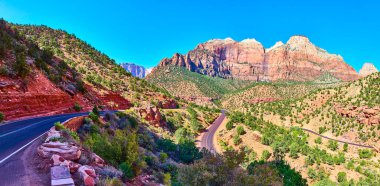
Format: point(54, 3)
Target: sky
point(145, 31)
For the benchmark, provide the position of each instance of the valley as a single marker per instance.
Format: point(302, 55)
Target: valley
point(225, 113)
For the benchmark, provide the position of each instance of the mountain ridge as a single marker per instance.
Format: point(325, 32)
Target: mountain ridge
point(296, 60)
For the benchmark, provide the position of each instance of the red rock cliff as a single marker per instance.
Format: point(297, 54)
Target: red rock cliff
point(297, 60)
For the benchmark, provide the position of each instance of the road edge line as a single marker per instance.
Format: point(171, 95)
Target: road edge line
point(21, 148)
point(33, 140)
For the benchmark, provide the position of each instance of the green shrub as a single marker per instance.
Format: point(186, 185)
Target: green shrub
point(236, 139)
point(21, 67)
point(265, 155)
point(240, 130)
point(166, 145)
point(77, 107)
point(127, 170)
point(1, 117)
point(58, 126)
point(229, 125)
point(345, 147)
point(93, 117)
point(95, 110)
point(365, 153)
point(342, 177)
point(188, 152)
point(163, 157)
point(333, 145)
point(311, 173)
point(318, 140)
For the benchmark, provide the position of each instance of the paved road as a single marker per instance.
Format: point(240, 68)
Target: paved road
point(340, 141)
point(14, 135)
point(207, 140)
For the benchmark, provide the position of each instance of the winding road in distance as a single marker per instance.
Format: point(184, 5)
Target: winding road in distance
point(207, 139)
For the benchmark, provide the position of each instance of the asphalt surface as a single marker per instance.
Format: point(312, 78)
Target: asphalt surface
point(207, 140)
point(340, 141)
point(16, 134)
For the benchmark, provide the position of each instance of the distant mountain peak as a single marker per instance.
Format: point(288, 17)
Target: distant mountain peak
point(135, 70)
point(276, 45)
point(367, 69)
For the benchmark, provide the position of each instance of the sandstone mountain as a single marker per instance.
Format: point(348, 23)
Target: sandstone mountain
point(296, 60)
point(135, 70)
point(367, 69)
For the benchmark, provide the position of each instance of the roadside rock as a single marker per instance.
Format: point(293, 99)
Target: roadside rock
point(65, 150)
point(98, 161)
point(60, 161)
point(88, 175)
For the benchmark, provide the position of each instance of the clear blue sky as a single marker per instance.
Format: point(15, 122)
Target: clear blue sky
point(144, 32)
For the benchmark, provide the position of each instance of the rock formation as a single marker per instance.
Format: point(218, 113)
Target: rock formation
point(367, 69)
point(297, 60)
point(135, 70)
point(363, 114)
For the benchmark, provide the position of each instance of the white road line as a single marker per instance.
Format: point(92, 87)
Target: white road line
point(29, 126)
point(18, 150)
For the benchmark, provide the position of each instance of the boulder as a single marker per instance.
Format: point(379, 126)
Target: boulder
point(65, 150)
point(60, 176)
point(88, 175)
point(98, 161)
point(52, 134)
point(57, 160)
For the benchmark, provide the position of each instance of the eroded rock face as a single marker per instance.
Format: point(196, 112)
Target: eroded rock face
point(167, 104)
point(367, 69)
point(153, 116)
point(297, 60)
point(364, 115)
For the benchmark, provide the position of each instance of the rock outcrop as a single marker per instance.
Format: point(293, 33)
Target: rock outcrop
point(363, 114)
point(167, 104)
point(152, 115)
point(88, 175)
point(296, 60)
point(135, 70)
point(367, 69)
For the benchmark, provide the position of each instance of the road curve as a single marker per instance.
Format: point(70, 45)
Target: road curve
point(340, 141)
point(15, 135)
point(207, 139)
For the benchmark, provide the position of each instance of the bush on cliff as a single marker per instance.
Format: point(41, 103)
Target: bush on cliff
point(77, 107)
point(1, 117)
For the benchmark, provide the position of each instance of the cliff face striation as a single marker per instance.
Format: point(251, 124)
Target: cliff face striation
point(296, 60)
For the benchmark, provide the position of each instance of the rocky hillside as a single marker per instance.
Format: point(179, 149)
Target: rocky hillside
point(330, 134)
point(367, 69)
point(193, 86)
point(50, 71)
point(135, 70)
point(296, 60)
